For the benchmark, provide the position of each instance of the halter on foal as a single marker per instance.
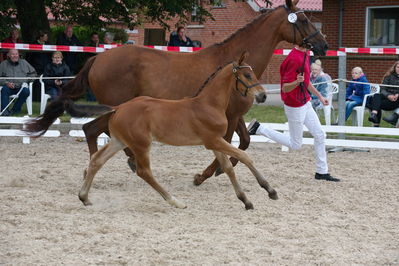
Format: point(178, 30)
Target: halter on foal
point(200, 120)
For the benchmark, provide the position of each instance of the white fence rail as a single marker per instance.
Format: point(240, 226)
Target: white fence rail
point(338, 142)
point(18, 132)
point(103, 138)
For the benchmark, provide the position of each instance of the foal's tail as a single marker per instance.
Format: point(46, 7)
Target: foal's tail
point(70, 91)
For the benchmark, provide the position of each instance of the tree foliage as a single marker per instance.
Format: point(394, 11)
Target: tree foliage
point(32, 14)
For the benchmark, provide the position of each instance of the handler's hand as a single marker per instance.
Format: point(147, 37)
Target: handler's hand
point(300, 78)
point(324, 101)
point(393, 98)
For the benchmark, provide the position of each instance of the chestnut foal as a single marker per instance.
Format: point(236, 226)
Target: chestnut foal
point(200, 120)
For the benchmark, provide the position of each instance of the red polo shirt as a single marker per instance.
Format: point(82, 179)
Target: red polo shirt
point(289, 69)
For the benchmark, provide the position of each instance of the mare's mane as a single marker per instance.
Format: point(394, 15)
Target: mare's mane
point(261, 16)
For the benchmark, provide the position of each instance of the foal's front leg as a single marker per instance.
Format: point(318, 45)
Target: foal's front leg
point(229, 170)
point(208, 172)
point(223, 146)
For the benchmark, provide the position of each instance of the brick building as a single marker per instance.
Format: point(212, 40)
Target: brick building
point(228, 18)
point(364, 23)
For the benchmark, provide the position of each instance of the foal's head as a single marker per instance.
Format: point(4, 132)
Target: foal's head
point(246, 82)
point(298, 29)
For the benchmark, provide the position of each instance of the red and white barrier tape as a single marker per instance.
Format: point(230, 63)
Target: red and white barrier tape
point(388, 51)
point(103, 47)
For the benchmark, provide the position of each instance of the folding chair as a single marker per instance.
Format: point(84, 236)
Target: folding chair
point(28, 100)
point(43, 96)
point(332, 89)
point(358, 111)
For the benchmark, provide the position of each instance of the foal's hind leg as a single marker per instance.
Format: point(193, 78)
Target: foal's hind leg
point(208, 172)
point(223, 146)
point(96, 162)
point(229, 170)
point(94, 128)
point(144, 171)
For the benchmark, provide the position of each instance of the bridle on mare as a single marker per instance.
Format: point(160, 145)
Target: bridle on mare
point(235, 69)
point(292, 18)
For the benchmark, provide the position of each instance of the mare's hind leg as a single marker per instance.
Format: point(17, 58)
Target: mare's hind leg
point(96, 162)
point(144, 171)
point(229, 170)
point(208, 172)
point(223, 146)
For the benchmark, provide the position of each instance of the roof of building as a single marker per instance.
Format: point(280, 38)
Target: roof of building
point(310, 5)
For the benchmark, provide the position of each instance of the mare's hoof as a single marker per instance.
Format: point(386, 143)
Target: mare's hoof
point(218, 171)
point(131, 164)
point(198, 180)
point(273, 195)
point(249, 206)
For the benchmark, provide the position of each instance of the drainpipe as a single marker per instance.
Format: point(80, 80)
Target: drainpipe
point(340, 23)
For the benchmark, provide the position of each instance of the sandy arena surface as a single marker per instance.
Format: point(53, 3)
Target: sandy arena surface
point(354, 222)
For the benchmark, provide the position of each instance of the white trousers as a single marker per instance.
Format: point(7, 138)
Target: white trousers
point(297, 117)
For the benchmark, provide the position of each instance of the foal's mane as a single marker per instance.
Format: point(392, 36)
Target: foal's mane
point(207, 80)
point(261, 16)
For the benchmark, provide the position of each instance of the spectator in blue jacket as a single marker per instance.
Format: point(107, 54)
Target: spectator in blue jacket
point(355, 92)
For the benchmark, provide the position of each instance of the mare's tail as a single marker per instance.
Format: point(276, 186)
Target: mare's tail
point(71, 91)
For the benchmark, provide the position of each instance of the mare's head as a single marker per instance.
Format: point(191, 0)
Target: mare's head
point(246, 82)
point(297, 28)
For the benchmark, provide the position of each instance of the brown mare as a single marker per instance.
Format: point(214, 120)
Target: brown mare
point(185, 122)
point(123, 73)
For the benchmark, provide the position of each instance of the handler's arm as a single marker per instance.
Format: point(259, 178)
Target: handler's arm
point(287, 87)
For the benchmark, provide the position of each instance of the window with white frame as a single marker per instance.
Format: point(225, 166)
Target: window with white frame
point(382, 28)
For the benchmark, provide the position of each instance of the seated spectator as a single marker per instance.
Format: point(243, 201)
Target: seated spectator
point(318, 76)
point(14, 67)
point(39, 59)
point(180, 39)
point(109, 38)
point(12, 38)
point(69, 39)
point(355, 92)
point(387, 99)
point(56, 68)
point(94, 40)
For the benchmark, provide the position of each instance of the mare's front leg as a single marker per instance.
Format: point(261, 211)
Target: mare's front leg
point(223, 146)
point(96, 162)
point(95, 128)
point(208, 172)
point(245, 139)
point(229, 170)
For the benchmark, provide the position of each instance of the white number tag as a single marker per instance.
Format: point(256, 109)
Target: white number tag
point(292, 17)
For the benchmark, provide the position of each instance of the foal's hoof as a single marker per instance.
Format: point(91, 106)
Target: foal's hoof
point(198, 179)
point(273, 195)
point(176, 203)
point(218, 171)
point(85, 200)
point(249, 206)
point(131, 164)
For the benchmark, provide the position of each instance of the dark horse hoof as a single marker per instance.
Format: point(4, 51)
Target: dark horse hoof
point(273, 195)
point(131, 164)
point(249, 206)
point(198, 179)
point(218, 171)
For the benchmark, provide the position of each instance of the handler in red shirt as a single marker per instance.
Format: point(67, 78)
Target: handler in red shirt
point(295, 83)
